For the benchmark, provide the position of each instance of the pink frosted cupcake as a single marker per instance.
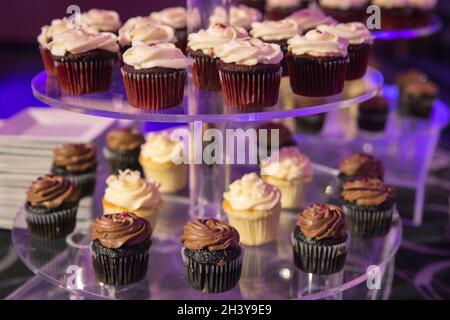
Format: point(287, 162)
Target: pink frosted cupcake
point(345, 10)
point(280, 9)
point(308, 19)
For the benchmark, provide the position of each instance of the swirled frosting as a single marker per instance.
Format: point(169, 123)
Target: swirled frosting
point(361, 165)
point(75, 157)
point(51, 192)
point(250, 52)
point(354, 32)
point(283, 3)
point(115, 230)
point(102, 20)
point(160, 148)
point(316, 43)
point(131, 24)
point(57, 27)
point(423, 4)
point(79, 41)
point(275, 30)
point(252, 193)
point(149, 33)
point(129, 190)
point(216, 35)
point(175, 17)
point(289, 164)
point(367, 192)
point(343, 4)
point(210, 234)
point(391, 3)
point(311, 18)
point(124, 139)
point(164, 55)
point(240, 16)
point(322, 221)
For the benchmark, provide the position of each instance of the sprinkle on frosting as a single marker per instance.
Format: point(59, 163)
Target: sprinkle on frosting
point(317, 43)
point(322, 221)
point(240, 16)
point(102, 20)
point(51, 192)
point(362, 165)
point(160, 148)
point(367, 192)
point(289, 164)
point(175, 17)
point(354, 32)
point(343, 4)
point(275, 30)
point(75, 157)
point(311, 18)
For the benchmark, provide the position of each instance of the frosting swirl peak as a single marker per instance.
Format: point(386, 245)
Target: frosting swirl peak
point(322, 221)
point(164, 55)
point(354, 32)
point(148, 33)
point(240, 16)
point(160, 148)
point(51, 192)
point(175, 17)
point(310, 18)
point(362, 165)
point(275, 30)
point(367, 192)
point(317, 43)
point(75, 157)
point(102, 20)
point(289, 164)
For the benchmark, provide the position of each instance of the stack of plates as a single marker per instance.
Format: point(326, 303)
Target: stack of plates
point(27, 141)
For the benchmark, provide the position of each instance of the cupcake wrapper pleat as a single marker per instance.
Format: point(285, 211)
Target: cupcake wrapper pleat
point(47, 60)
point(359, 59)
point(368, 223)
point(53, 225)
point(121, 161)
point(205, 73)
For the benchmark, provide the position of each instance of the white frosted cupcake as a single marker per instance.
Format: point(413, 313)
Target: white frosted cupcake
point(128, 192)
point(289, 170)
point(175, 17)
point(145, 31)
point(240, 16)
point(158, 160)
point(102, 20)
point(253, 207)
point(308, 19)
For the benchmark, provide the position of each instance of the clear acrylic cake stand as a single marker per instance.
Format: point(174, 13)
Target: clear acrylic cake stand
point(408, 34)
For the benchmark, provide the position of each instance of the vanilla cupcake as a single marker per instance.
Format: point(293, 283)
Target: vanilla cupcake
point(240, 16)
point(102, 20)
point(289, 171)
point(158, 159)
point(175, 17)
point(128, 192)
point(308, 19)
point(253, 207)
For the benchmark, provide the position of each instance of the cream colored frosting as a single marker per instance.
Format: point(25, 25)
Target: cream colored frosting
point(164, 55)
point(343, 4)
point(216, 35)
point(423, 4)
point(283, 3)
point(102, 20)
point(57, 27)
point(135, 22)
point(289, 164)
point(160, 148)
point(129, 190)
point(311, 18)
point(79, 41)
point(252, 193)
point(175, 17)
point(316, 43)
point(391, 3)
point(354, 32)
point(240, 16)
point(250, 52)
point(275, 30)
point(149, 33)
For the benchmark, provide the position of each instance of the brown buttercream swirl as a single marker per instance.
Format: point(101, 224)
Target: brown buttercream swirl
point(124, 139)
point(51, 192)
point(367, 192)
point(75, 157)
point(322, 221)
point(115, 230)
point(362, 165)
point(209, 234)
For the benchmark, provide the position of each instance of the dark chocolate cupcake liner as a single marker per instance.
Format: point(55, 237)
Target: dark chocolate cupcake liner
point(122, 160)
point(368, 222)
point(47, 60)
point(213, 278)
point(85, 76)
point(52, 225)
point(44, 257)
point(319, 259)
point(205, 73)
point(359, 60)
point(317, 76)
point(155, 91)
point(250, 90)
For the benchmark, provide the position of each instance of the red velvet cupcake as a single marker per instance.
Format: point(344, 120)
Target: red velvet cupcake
point(175, 17)
point(345, 10)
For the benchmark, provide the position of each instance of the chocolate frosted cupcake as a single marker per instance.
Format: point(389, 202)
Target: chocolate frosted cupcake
point(154, 76)
point(285, 138)
point(369, 206)
point(102, 20)
point(318, 63)
point(250, 73)
point(175, 17)
point(277, 32)
point(345, 10)
point(122, 150)
point(395, 14)
point(84, 60)
point(408, 76)
point(373, 113)
point(202, 47)
point(77, 163)
point(280, 9)
point(418, 98)
point(360, 165)
point(423, 11)
point(212, 255)
point(51, 206)
point(240, 16)
point(360, 41)
point(120, 245)
point(320, 240)
point(311, 18)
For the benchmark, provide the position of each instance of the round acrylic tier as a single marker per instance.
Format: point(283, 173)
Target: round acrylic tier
point(199, 105)
point(408, 34)
point(268, 270)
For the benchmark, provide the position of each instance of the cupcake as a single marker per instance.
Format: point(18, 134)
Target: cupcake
point(280, 9)
point(175, 17)
point(250, 73)
point(240, 16)
point(360, 40)
point(51, 207)
point(345, 10)
point(369, 206)
point(373, 113)
point(154, 76)
point(277, 32)
point(418, 98)
point(289, 171)
point(285, 138)
point(122, 150)
point(311, 18)
point(253, 207)
point(320, 240)
point(84, 60)
point(395, 14)
point(120, 245)
point(317, 64)
point(260, 5)
point(159, 160)
point(77, 163)
point(423, 11)
point(360, 165)
point(202, 47)
point(212, 255)
point(102, 20)
point(310, 124)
